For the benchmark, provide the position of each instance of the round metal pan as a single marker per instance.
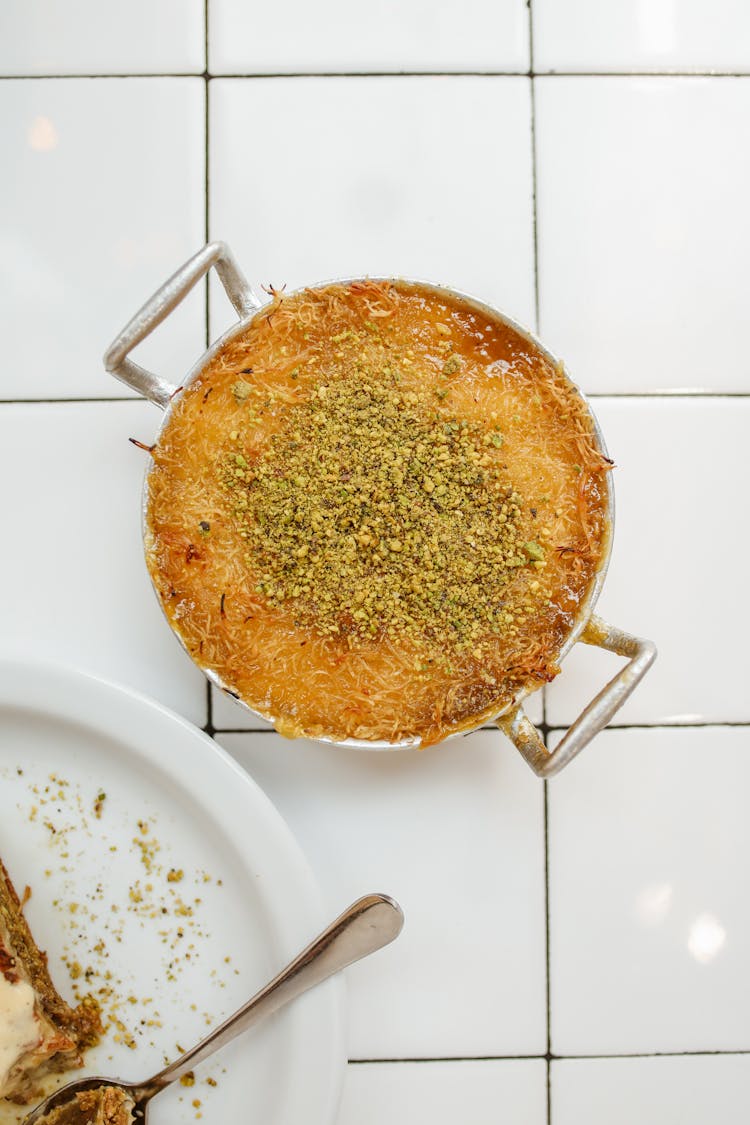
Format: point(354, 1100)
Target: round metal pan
point(586, 628)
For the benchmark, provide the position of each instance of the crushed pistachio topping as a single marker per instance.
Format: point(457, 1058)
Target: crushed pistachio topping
point(242, 390)
point(376, 511)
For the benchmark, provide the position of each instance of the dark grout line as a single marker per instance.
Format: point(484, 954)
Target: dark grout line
point(379, 74)
point(548, 991)
point(641, 74)
point(209, 727)
point(73, 401)
point(74, 77)
point(667, 394)
point(654, 1055)
point(535, 239)
point(205, 38)
point(531, 73)
point(450, 1059)
point(699, 725)
point(547, 983)
point(206, 158)
point(209, 76)
point(555, 1058)
point(534, 215)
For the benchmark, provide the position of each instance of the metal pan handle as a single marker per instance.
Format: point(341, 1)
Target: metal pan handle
point(161, 304)
point(525, 736)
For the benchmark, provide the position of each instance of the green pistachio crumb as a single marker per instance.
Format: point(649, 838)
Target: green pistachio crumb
point(242, 390)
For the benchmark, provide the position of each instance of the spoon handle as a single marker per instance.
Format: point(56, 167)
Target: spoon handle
point(366, 926)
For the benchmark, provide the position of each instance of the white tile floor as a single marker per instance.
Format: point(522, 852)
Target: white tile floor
point(601, 915)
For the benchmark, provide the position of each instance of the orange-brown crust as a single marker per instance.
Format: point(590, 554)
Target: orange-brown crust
point(324, 686)
point(72, 1029)
point(105, 1105)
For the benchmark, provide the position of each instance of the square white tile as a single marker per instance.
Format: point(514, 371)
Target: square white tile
point(421, 177)
point(666, 1091)
point(334, 36)
point(649, 922)
point(644, 230)
point(482, 1093)
point(657, 35)
point(102, 198)
point(456, 835)
point(89, 37)
point(680, 536)
point(75, 587)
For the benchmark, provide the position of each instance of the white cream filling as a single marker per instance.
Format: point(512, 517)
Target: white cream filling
point(19, 1028)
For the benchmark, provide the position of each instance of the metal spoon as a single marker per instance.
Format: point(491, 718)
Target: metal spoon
point(368, 924)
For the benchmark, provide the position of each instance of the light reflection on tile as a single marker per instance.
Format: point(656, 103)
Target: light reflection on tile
point(653, 903)
point(100, 201)
point(42, 135)
point(624, 35)
point(706, 938)
point(649, 926)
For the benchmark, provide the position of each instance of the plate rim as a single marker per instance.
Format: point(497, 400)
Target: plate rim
point(63, 690)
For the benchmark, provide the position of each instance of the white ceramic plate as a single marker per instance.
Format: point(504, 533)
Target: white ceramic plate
point(191, 948)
